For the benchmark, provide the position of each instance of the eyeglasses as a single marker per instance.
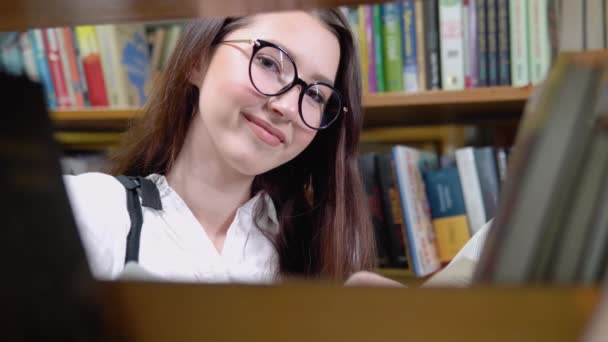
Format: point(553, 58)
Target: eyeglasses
point(273, 72)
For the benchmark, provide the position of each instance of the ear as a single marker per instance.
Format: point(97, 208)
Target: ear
point(195, 76)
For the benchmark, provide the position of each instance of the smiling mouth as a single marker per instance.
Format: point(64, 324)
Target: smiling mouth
point(264, 131)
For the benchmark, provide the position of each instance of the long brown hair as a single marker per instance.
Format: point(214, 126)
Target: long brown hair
point(325, 230)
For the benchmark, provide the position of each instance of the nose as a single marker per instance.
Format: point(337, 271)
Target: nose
point(286, 104)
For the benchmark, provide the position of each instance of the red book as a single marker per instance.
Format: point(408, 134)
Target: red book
point(57, 74)
point(91, 64)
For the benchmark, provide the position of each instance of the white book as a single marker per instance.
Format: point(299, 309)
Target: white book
point(594, 20)
point(520, 70)
point(471, 189)
point(540, 49)
point(110, 63)
point(452, 44)
point(29, 60)
point(571, 37)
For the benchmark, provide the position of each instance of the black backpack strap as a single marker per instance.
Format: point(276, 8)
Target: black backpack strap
point(150, 197)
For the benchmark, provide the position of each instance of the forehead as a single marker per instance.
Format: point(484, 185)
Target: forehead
point(311, 44)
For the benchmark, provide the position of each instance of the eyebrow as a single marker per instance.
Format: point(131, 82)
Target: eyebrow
point(316, 76)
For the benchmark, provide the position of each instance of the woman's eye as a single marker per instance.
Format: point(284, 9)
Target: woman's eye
point(315, 95)
point(268, 63)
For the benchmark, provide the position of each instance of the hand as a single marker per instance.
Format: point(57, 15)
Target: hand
point(364, 278)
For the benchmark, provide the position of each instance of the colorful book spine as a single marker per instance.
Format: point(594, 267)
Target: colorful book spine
point(42, 66)
point(368, 12)
point(420, 231)
point(393, 62)
point(363, 47)
point(420, 48)
point(448, 211)
point(91, 63)
point(431, 45)
point(520, 71)
point(74, 81)
point(492, 37)
point(379, 47)
point(53, 55)
point(83, 81)
point(410, 60)
point(482, 43)
point(452, 62)
point(466, 42)
point(65, 65)
point(504, 44)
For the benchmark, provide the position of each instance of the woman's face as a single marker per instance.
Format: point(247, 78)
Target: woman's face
point(251, 132)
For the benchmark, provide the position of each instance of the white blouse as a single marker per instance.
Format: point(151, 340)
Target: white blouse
point(173, 246)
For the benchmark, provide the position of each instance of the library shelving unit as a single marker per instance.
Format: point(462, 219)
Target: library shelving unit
point(314, 311)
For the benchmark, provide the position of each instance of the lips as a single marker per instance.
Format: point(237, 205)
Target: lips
point(265, 131)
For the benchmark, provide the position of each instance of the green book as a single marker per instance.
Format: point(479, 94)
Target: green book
point(378, 47)
point(392, 32)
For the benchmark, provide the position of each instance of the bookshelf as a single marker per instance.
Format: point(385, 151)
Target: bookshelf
point(16, 15)
point(471, 106)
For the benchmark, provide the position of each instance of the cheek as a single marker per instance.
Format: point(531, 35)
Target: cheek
point(302, 138)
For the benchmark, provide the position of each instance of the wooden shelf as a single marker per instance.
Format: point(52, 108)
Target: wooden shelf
point(319, 312)
point(26, 14)
point(471, 106)
point(381, 110)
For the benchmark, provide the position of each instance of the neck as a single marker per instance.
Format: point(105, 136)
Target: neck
point(211, 189)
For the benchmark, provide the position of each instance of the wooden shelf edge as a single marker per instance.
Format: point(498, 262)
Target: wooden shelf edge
point(447, 97)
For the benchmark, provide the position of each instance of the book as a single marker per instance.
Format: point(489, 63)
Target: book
point(410, 54)
point(392, 32)
point(520, 70)
point(409, 165)
point(542, 171)
point(448, 211)
point(431, 45)
point(452, 58)
point(471, 188)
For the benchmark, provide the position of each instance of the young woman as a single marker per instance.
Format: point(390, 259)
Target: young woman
point(250, 137)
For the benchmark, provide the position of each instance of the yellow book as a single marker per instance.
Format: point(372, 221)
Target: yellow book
point(363, 38)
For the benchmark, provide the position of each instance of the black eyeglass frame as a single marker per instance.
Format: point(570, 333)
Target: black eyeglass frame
point(258, 44)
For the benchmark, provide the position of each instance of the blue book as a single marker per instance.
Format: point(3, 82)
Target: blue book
point(448, 211)
point(11, 59)
point(43, 67)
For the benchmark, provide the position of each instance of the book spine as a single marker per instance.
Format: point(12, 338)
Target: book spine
point(501, 163)
point(452, 63)
point(420, 48)
point(56, 68)
point(29, 61)
point(368, 12)
point(482, 43)
point(92, 65)
point(79, 66)
point(466, 41)
point(471, 47)
point(132, 48)
point(391, 30)
point(362, 35)
point(74, 74)
point(447, 211)
point(369, 178)
point(540, 56)
point(431, 44)
point(410, 60)
point(65, 64)
point(42, 66)
point(489, 184)
point(504, 44)
point(469, 180)
point(492, 37)
point(378, 47)
point(420, 232)
point(520, 71)
point(391, 203)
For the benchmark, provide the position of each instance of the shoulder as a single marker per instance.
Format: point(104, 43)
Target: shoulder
point(99, 206)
